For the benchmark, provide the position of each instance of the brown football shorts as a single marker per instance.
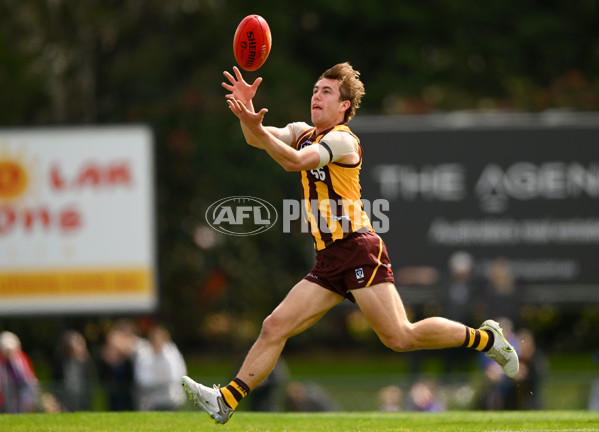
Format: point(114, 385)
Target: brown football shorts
point(357, 261)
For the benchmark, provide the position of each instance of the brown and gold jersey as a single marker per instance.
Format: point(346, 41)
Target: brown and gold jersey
point(331, 195)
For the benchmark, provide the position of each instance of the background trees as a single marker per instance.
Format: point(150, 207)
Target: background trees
point(161, 63)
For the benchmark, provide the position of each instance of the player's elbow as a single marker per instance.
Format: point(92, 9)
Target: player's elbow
point(296, 161)
point(292, 165)
point(300, 164)
point(254, 143)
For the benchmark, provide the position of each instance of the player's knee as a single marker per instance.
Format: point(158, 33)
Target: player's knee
point(400, 342)
point(272, 328)
point(398, 345)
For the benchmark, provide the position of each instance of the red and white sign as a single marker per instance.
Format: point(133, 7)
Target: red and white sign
point(77, 220)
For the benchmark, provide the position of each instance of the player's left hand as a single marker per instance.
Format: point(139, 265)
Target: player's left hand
point(240, 89)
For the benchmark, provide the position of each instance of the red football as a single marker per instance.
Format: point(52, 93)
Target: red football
point(252, 42)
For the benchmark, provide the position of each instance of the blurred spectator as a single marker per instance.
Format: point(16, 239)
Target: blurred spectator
point(158, 369)
point(72, 373)
point(390, 398)
point(524, 391)
point(461, 290)
point(417, 275)
point(594, 395)
point(268, 396)
point(501, 296)
point(423, 397)
point(124, 336)
point(302, 397)
point(491, 394)
point(50, 404)
point(19, 391)
point(116, 365)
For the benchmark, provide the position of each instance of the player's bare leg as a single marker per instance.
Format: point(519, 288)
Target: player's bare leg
point(305, 304)
point(384, 310)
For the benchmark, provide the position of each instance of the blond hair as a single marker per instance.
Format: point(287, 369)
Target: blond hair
point(351, 88)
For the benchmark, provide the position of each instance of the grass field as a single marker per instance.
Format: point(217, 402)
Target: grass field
point(455, 421)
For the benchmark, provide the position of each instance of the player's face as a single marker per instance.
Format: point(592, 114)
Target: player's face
point(327, 108)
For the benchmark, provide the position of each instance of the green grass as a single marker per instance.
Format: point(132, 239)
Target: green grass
point(455, 421)
point(353, 378)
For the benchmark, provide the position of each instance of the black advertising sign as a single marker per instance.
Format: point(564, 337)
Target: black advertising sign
point(521, 187)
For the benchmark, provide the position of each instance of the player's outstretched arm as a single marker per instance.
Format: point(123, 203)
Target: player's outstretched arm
point(244, 92)
point(289, 158)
